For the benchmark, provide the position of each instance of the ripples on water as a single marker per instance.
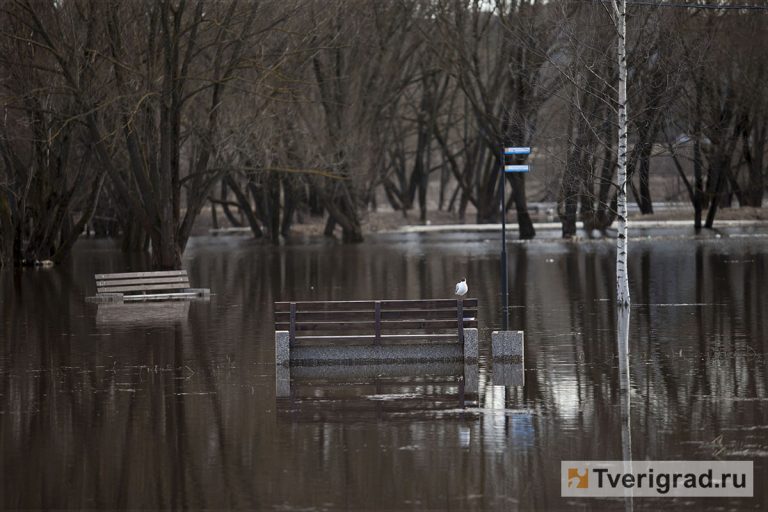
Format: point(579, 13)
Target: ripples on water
point(142, 409)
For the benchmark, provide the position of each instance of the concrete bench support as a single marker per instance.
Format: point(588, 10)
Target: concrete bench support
point(285, 355)
point(507, 346)
point(282, 348)
point(415, 352)
point(470, 345)
point(508, 354)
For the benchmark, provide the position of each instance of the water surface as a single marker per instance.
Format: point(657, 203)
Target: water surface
point(120, 409)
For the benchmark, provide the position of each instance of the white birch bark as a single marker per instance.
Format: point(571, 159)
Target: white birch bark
point(622, 275)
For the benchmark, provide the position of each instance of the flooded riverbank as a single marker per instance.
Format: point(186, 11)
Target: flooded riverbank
point(124, 411)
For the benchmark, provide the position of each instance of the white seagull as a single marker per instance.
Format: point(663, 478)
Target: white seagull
point(461, 287)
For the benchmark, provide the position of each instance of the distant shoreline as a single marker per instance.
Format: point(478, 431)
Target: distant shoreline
point(550, 226)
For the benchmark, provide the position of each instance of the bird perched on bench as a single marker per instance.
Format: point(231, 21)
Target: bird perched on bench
point(461, 287)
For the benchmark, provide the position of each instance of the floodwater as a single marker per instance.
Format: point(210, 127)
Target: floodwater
point(133, 408)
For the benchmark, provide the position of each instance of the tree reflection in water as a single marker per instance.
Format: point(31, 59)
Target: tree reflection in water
point(625, 393)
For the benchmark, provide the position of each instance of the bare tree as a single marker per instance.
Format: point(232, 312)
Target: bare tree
point(411, 122)
point(155, 126)
point(498, 58)
point(49, 184)
point(356, 75)
point(720, 108)
point(590, 160)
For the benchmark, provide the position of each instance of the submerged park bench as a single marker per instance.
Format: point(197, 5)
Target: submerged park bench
point(384, 331)
point(142, 286)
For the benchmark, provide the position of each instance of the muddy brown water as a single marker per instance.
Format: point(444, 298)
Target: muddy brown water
point(144, 408)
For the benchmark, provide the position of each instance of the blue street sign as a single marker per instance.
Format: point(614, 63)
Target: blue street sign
point(517, 151)
point(516, 168)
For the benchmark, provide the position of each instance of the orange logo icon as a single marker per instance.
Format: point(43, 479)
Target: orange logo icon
point(579, 481)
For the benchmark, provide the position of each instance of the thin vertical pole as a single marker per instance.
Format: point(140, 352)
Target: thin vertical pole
point(504, 284)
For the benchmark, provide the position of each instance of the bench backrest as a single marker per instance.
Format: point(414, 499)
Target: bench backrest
point(375, 322)
point(140, 282)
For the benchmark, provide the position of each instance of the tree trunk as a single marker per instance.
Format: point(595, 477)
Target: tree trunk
point(444, 175)
point(245, 206)
point(644, 201)
point(352, 231)
point(606, 212)
point(134, 238)
point(754, 155)
point(166, 254)
point(756, 178)
point(568, 215)
point(73, 232)
point(487, 192)
point(288, 208)
point(486, 212)
point(698, 183)
point(524, 223)
point(423, 185)
point(214, 217)
point(315, 203)
point(463, 203)
point(717, 173)
point(225, 206)
point(352, 234)
point(273, 184)
point(330, 225)
point(622, 275)
point(7, 231)
point(568, 199)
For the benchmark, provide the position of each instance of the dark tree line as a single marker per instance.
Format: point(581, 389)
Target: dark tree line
point(129, 118)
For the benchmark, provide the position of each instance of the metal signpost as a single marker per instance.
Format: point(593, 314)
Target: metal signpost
point(505, 169)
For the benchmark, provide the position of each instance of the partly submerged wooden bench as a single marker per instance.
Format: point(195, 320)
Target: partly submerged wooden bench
point(373, 331)
point(132, 286)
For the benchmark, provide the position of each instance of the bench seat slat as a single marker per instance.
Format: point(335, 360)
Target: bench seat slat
point(130, 275)
point(146, 280)
point(370, 324)
point(341, 316)
point(365, 305)
point(156, 296)
point(146, 287)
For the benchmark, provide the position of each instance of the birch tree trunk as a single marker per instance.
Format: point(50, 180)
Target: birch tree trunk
point(622, 273)
point(622, 276)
